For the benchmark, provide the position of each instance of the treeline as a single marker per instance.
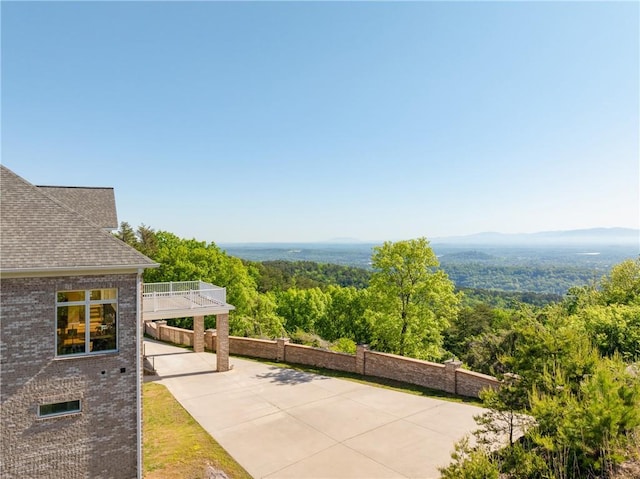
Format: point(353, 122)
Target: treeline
point(506, 299)
point(570, 400)
point(527, 281)
point(537, 279)
point(280, 275)
point(404, 309)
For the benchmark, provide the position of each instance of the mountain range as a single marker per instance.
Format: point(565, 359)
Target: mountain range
point(591, 236)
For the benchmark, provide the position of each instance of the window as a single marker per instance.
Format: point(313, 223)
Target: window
point(86, 321)
point(59, 408)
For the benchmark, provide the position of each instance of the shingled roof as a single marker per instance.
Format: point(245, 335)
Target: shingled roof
point(40, 233)
point(96, 204)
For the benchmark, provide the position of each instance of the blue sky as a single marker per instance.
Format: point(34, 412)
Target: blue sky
point(307, 121)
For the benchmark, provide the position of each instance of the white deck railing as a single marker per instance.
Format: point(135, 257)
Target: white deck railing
point(163, 296)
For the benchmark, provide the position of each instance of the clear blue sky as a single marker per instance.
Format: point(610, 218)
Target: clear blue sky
point(297, 121)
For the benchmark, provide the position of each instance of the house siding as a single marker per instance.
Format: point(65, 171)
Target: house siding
point(100, 441)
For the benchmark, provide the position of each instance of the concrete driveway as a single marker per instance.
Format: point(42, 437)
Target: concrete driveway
point(281, 423)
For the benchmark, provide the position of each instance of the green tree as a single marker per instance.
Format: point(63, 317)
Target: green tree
point(613, 329)
point(506, 413)
point(587, 431)
point(412, 301)
point(148, 244)
point(549, 342)
point(469, 324)
point(192, 260)
point(262, 320)
point(302, 309)
point(470, 463)
point(345, 315)
point(127, 234)
point(622, 285)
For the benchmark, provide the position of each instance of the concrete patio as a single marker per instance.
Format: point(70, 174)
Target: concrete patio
point(281, 423)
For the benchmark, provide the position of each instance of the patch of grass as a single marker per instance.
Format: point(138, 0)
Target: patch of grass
point(175, 446)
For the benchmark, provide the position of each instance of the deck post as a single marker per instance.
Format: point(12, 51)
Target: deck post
point(222, 342)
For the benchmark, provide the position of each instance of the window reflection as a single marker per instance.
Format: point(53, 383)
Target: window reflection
point(86, 321)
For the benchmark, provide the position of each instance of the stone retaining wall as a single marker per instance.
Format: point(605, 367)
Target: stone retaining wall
point(447, 377)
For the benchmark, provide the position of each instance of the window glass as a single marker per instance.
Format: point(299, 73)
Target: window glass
point(58, 408)
point(98, 294)
point(103, 327)
point(68, 296)
point(71, 329)
point(88, 327)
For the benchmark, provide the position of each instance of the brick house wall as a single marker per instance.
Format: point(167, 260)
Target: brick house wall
point(99, 442)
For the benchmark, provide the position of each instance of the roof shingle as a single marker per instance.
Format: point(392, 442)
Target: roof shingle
point(96, 204)
point(40, 233)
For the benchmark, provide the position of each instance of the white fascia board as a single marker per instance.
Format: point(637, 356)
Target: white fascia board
point(185, 313)
point(74, 271)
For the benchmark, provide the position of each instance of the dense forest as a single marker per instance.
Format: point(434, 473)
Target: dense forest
point(542, 279)
point(524, 269)
point(569, 404)
point(280, 275)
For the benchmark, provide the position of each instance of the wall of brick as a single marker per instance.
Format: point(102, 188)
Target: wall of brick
point(470, 383)
point(210, 340)
point(299, 354)
point(198, 334)
point(151, 329)
point(175, 335)
point(408, 370)
point(99, 442)
point(445, 377)
point(254, 348)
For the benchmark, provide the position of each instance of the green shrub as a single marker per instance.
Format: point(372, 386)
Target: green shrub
point(470, 463)
point(344, 345)
point(308, 339)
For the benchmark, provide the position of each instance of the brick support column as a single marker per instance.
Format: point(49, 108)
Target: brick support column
point(210, 339)
point(198, 334)
point(160, 331)
point(361, 351)
point(281, 344)
point(222, 342)
point(450, 367)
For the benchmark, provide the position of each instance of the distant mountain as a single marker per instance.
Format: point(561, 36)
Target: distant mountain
point(592, 236)
point(465, 256)
point(345, 240)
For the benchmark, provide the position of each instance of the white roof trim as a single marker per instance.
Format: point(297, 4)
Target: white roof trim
point(75, 270)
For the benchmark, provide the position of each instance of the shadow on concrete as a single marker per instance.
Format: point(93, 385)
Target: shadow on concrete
point(289, 376)
point(180, 375)
point(167, 354)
